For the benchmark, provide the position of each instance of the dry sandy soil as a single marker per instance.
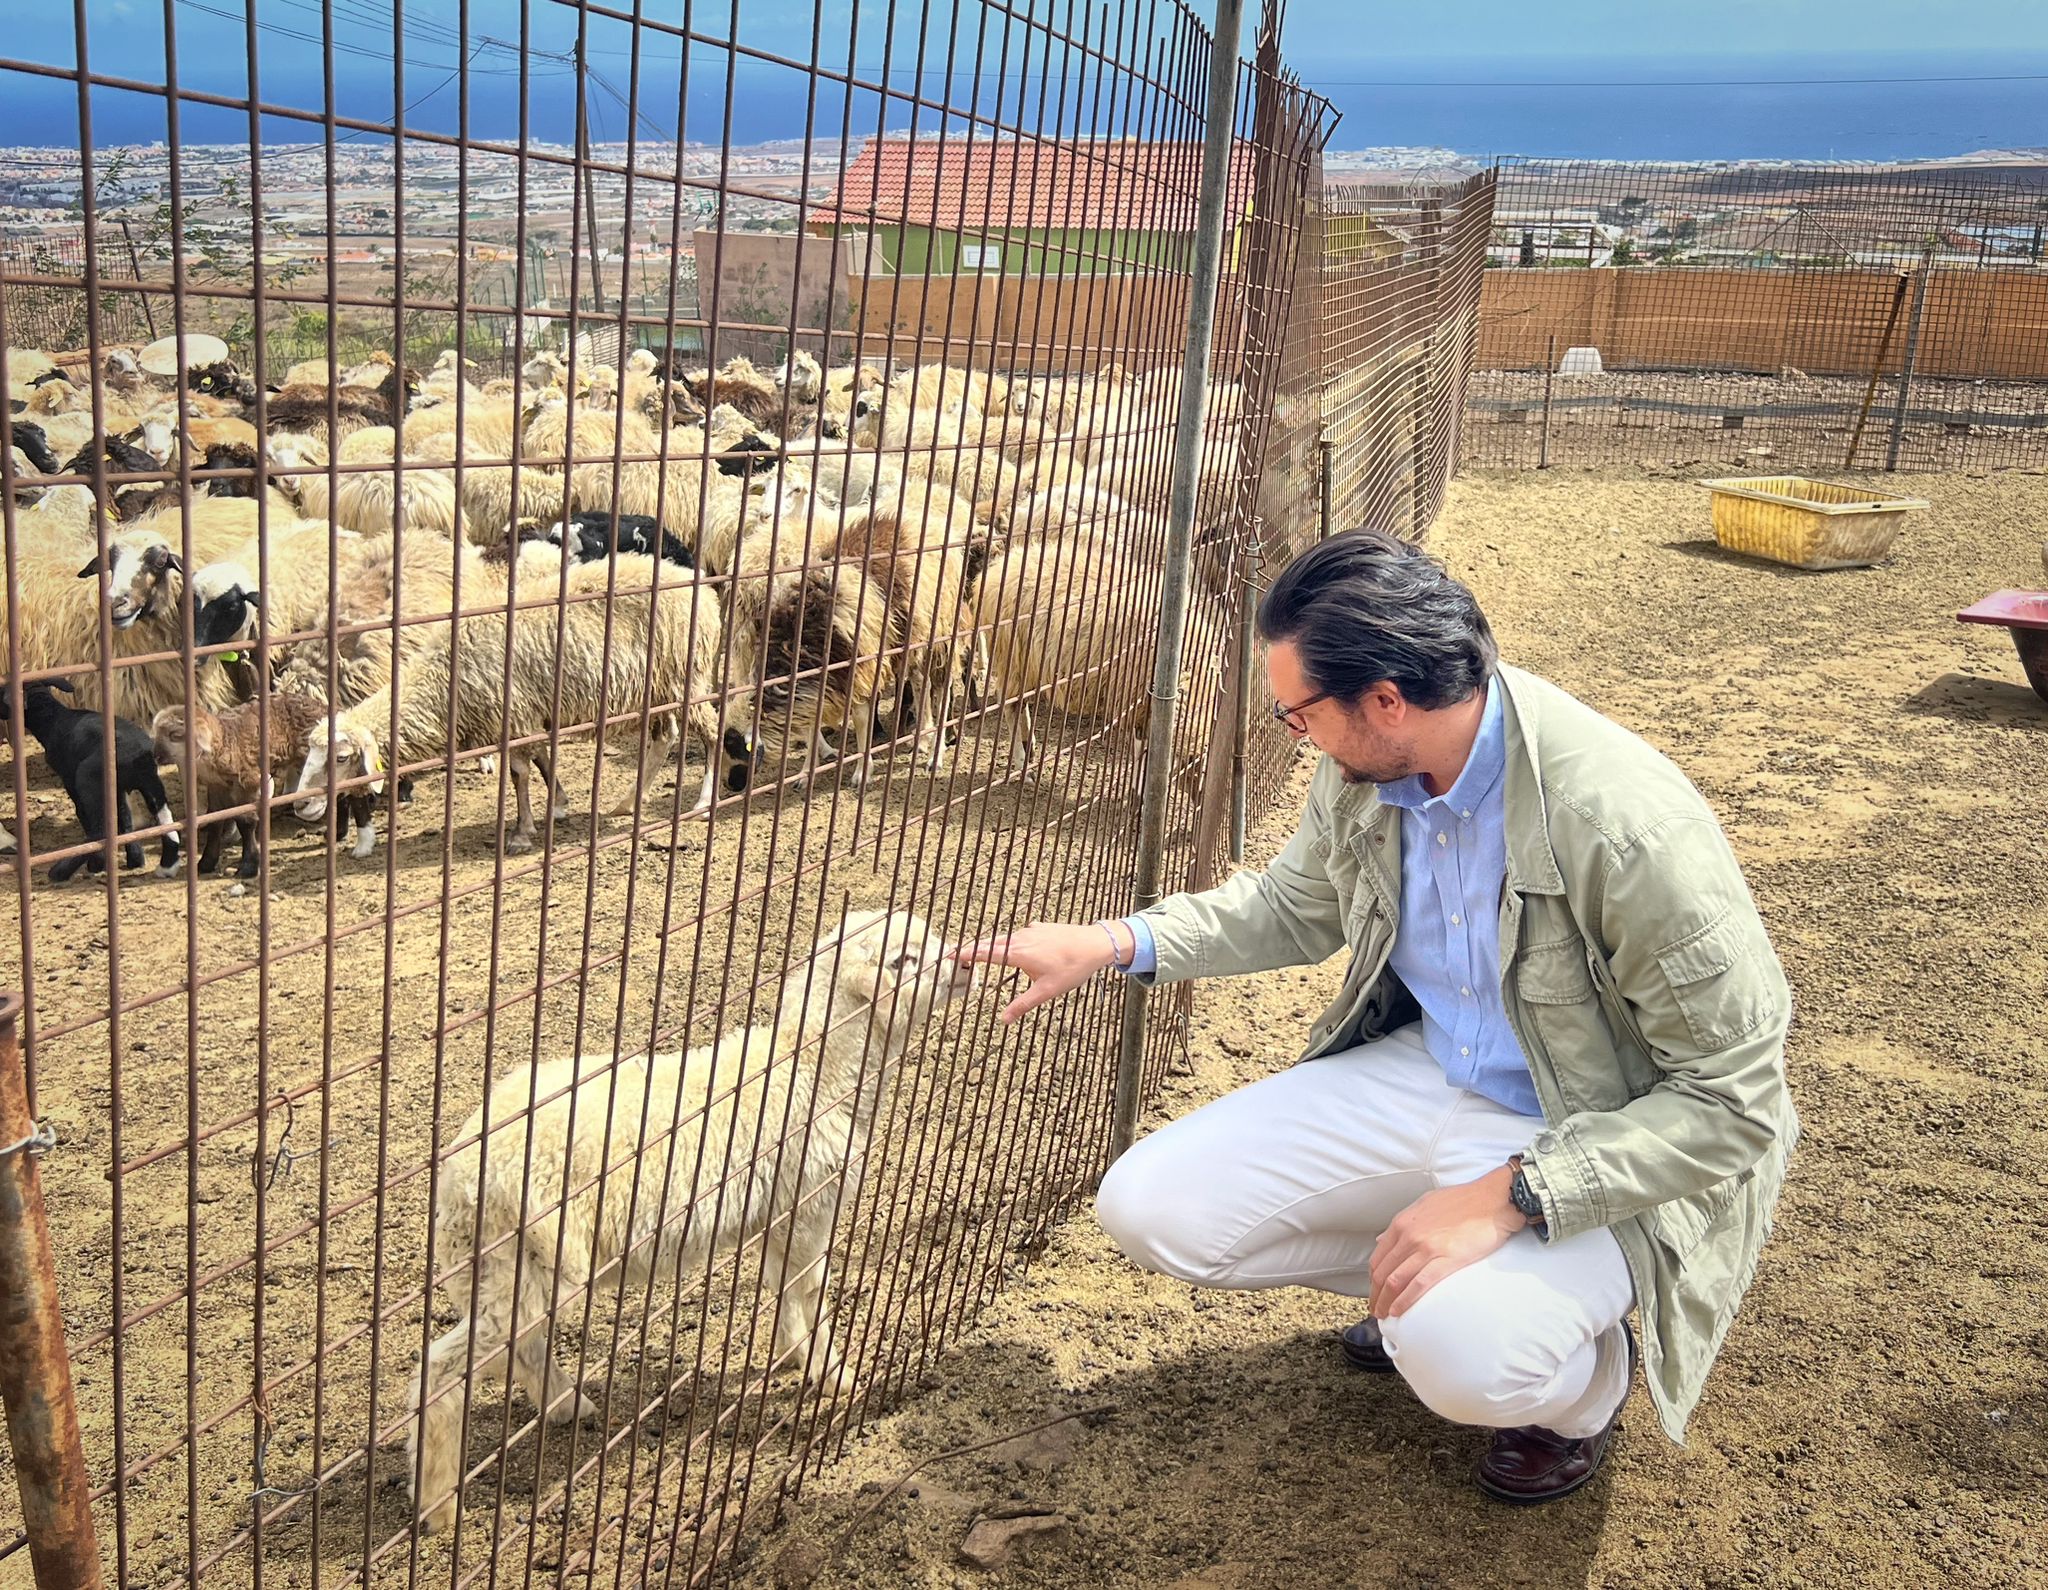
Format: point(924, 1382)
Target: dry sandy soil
point(1880, 1414)
point(980, 1138)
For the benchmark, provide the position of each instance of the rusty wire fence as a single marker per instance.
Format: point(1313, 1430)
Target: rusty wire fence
point(1400, 278)
point(1765, 316)
point(578, 763)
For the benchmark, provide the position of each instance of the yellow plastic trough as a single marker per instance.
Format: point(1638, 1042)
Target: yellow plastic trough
point(1810, 524)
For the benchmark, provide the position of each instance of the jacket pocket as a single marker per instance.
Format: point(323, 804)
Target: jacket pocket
point(1712, 980)
point(1682, 1224)
point(1557, 990)
point(1555, 973)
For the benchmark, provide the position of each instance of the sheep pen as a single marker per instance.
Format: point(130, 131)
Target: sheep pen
point(983, 1140)
point(318, 1027)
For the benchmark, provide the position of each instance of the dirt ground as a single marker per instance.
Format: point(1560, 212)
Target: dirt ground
point(977, 1140)
point(1880, 1413)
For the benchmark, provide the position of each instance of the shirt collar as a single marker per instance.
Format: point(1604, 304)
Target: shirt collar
point(1482, 770)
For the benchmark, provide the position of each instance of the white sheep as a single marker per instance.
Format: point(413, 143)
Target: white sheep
point(492, 435)
point(957, 445)
point(781, 1114)
point(657, 661)
point(1065, 625)
point(59, 604)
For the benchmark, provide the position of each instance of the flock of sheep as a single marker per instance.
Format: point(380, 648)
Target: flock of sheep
point(785, 568)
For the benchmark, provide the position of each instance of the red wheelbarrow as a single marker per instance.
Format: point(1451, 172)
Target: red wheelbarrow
point(2025, 613)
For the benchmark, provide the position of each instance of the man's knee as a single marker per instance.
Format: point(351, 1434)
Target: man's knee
point(1473, 1366)
point(1144, 1204)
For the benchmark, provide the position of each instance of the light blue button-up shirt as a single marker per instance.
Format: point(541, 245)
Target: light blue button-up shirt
point(1454, 857)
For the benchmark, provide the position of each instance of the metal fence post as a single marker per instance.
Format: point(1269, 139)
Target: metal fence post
point(1912, 353)
point(1549, 376)
point(1422, 488)
point(1173, 597)
point(35, 1371)
point(1241, 727)
point(1326, 485)
point(135, 267)
point(1884, 347)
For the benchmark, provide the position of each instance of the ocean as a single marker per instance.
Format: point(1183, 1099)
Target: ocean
point(1846, 105)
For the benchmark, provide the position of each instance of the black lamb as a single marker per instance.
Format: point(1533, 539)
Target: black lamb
point(133, 498)
point(590, 537)
point(34, 445)
point(74, 745)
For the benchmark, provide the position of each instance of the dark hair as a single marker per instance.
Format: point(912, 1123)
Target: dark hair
point(1363, 606)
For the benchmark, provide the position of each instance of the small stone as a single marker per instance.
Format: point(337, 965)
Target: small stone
point(800, 1564)
point(996, 1542)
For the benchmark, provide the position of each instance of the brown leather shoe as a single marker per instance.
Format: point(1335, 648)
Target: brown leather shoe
point(1530, 1464)
point(1363, 1348)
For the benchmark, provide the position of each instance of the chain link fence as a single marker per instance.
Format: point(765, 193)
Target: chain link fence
point(1807, 316)
point(466, 1174)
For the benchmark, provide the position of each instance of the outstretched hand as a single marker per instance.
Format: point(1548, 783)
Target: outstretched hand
point(1056, 957)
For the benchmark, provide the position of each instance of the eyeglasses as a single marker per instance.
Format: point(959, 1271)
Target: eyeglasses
point(1292, 716)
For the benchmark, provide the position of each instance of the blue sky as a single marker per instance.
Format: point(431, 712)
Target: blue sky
point(1504, 31)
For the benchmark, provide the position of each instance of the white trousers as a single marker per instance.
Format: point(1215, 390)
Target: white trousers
point(1290, 1181)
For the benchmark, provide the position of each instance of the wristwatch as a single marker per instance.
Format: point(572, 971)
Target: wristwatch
point(1524, 1198)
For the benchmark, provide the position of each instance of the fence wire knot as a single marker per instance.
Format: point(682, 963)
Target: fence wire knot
point(37, 1143)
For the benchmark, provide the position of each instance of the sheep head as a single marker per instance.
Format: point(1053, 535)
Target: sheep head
point(222, 380)
point(801, 376)
point(224, 602)
point(886, 966)
point(52, 395)
point(141, 577)
point(172, 730)
point(355, 756)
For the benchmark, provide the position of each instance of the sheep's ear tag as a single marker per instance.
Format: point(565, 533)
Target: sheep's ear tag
point(230, 656)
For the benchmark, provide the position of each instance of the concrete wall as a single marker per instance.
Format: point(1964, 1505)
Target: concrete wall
point(1984, 324)
point(756, 275)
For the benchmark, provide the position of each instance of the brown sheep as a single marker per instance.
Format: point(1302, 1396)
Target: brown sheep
point(306, 408)
point(747, 389)
point(231, 764)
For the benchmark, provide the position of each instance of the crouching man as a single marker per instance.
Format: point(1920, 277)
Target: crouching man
point(1552, 1086)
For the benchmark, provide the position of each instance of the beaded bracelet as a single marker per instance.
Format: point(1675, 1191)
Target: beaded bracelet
point(1116, 956)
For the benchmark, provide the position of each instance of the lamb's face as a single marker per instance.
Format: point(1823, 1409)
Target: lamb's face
point(893, 959)
point(139, 577)
point(354, 758)
point(167, 736)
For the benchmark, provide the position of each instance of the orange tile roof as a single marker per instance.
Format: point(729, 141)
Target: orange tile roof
point(962, 185)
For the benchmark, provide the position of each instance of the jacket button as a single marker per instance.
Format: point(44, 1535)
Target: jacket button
point(1546, 1143)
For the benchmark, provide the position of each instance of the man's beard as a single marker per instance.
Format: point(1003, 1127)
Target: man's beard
point(1388, 765)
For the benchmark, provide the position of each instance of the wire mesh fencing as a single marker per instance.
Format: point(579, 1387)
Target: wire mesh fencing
point(1770, 316)
point(1400, 275)
point(553, 1122)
